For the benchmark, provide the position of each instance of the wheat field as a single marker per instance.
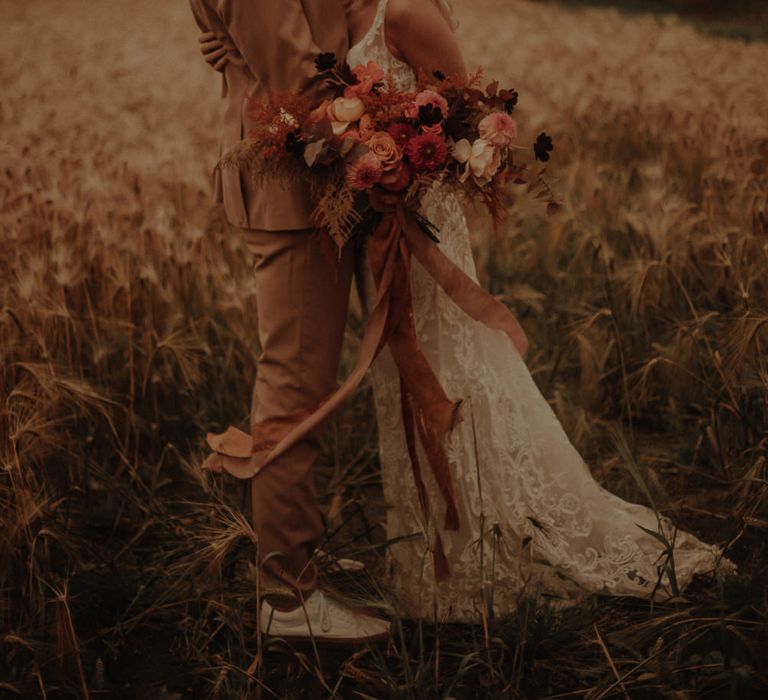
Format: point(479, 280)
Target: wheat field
point(127, 331)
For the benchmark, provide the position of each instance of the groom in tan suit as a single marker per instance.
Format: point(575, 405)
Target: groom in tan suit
point(302, 300)
point(270, 45)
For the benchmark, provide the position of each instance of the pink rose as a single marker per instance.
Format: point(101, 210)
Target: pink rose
point(364, 173)
point(386, 150)
point(499, 129)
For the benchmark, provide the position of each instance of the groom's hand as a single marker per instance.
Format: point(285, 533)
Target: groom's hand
point(279, 44)
point(213, 50)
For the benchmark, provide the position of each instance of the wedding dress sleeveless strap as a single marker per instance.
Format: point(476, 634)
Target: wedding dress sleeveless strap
point(533, 518)
point(373, 47)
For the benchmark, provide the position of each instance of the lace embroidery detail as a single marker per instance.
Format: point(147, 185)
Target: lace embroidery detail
point(547, 525)
point(373, 47)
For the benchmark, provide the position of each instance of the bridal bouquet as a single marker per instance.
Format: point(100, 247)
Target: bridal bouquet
point(376, 139)
point(369, 154)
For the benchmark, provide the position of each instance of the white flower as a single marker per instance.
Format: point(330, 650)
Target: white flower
point(288, 118)
point(462, 150)
point(483, 162)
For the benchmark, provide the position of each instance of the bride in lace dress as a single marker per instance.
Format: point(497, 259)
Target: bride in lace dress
point(533, 519)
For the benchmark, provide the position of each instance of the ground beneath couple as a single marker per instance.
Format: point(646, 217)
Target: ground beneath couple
point(127, 332)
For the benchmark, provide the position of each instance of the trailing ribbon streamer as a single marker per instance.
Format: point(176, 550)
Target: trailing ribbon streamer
point(426, 408)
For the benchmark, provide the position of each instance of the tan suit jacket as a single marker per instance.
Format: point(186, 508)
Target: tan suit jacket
point(271, 45)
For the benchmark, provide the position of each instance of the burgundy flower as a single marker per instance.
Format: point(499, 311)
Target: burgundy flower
point(402, 133)
point(294, 144)
point(510, 100)
point(325, 62)
point(430, 115)
point(426, 152)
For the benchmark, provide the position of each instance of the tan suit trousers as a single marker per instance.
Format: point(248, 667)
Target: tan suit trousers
point(302, 299)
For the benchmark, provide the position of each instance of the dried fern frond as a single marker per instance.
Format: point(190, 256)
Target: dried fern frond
point(336, 212)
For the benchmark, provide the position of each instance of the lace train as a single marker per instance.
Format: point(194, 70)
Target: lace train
point(532, 514)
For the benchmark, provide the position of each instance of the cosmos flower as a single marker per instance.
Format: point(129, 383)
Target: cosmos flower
point(325, 62)
point(543, 146)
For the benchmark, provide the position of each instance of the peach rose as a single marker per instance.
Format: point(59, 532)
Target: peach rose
point(367, 127)
point(385, 149)
point(347, 109)
point(343, 111)
point(499, 129)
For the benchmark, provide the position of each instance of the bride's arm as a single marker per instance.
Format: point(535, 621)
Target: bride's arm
point(418, 34)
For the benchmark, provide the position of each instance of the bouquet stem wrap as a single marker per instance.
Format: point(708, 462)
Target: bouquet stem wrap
point(426, 408)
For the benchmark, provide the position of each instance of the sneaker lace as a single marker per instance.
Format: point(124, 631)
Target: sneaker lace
point(329, 611)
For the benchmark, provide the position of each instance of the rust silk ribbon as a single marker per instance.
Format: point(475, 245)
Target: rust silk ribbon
point(425, 406)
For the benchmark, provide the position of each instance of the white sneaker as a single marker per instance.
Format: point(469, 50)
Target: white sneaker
point(325, 620)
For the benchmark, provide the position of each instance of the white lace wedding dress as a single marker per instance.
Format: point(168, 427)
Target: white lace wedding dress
point(533, 518)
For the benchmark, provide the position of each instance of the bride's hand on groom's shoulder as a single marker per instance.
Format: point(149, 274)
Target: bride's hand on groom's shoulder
point(213, 50)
